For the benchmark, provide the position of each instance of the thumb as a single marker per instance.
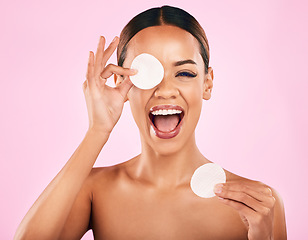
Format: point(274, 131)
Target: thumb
point(125, 86)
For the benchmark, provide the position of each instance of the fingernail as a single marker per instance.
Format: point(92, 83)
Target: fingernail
point(220, 198)
point(218, 188)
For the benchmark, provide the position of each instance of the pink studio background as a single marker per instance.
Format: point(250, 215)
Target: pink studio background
point(254, 125)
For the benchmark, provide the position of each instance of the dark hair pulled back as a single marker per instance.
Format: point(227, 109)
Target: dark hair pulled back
point(165, 15)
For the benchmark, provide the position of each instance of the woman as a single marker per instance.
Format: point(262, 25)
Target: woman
point(149, 196)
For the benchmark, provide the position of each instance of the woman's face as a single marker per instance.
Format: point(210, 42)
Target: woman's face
point(184, 86)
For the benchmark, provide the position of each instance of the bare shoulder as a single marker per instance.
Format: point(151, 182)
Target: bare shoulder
point(107, 174)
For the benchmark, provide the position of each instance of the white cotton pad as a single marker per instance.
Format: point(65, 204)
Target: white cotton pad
point(150, 71)
point(205, 178)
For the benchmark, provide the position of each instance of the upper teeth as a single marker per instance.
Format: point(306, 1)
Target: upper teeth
point(166, 112)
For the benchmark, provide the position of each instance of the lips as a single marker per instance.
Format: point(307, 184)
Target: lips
point(166, 120)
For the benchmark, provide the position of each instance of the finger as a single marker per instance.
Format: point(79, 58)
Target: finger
point(90, 70)
point(242, 187)
point(113, 69)
point(252, 216)
point(125, 86)
point(244, 198)
point(109, 51)
point(238, 191)
point(254, 185)
point(99, 55)
point(242, 209)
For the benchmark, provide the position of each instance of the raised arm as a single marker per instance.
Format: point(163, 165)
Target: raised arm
point(65, 196)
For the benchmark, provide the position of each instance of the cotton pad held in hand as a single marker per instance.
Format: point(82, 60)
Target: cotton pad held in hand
point(150, 71)
point(205, 178)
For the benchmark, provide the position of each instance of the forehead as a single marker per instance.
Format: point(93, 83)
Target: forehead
point(167, 43)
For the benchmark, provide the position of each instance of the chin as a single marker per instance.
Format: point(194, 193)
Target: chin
point(169, 146)
point(168, 130)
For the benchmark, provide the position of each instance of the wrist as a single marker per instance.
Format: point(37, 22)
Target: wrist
point(100, 131)
point(97, 137)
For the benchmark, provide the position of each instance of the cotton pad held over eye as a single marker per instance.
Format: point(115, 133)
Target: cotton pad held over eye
point(150, 71)
point(205, 178)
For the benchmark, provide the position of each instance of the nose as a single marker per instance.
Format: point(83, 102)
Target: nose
point(166, 89)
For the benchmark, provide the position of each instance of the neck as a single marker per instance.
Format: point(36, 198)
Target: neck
point(169, 170)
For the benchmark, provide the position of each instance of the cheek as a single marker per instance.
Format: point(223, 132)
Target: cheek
point(193, 93)
point(193, 96)
point(137, 100)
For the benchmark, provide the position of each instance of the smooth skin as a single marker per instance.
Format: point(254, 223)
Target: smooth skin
point(149, 196)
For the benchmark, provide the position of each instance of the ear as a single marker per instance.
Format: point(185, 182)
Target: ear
point(118, 80)
point(208, 84)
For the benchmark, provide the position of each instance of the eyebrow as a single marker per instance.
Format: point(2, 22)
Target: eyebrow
point(188, 61)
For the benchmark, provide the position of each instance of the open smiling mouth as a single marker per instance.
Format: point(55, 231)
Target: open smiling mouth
point(166, 120)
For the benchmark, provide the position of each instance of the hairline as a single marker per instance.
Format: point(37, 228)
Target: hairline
point(125, 47)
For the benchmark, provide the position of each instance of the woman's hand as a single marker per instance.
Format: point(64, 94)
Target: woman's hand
point(104, 103)
point(255, 204)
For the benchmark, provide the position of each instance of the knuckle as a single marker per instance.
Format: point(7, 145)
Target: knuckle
point(269, 190)
point(265, 188)
point(110, 66)
point(272, 201)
